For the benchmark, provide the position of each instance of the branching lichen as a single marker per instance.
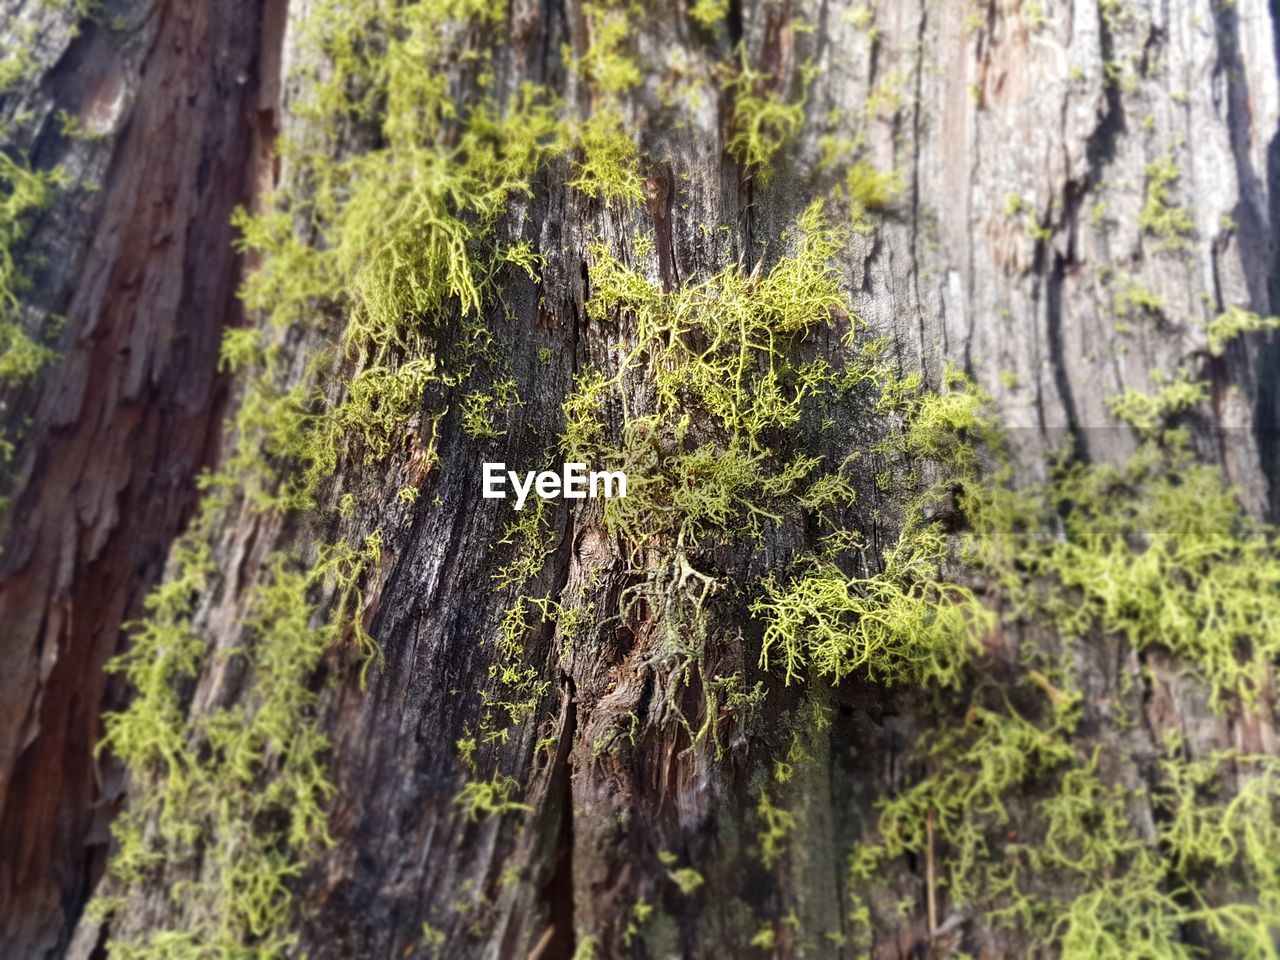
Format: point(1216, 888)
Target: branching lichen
point(718, 353)
point(1159, 552)
point(763, 121)
point(1234, 322)
point(23, 193)
point(1160, 216)
point(393, 242)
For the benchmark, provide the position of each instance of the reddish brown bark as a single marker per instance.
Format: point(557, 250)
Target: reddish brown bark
point(125, 417)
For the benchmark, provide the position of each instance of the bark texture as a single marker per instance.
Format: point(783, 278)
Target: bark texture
point(1062, 105)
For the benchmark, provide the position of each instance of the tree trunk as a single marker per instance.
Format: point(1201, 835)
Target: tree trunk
point(168, 128)
point(1054, 199)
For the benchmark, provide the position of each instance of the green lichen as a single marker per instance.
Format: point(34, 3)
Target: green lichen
point(885, 101)
point(687, 880)
point(21, 358)
point(709, 405)
point(481, 799)
point(609, 168)
point(608, 160)
point(709, 13)
point(1132, 297)
point(391, 243)
point(205, 780)
point(1235, 322)
point(1160, 552)
point(18, 65)
point(517, 687)
point(477, 416)
point(1148, 413)
point(23, 193)
point(529, 537)
point(870, 190)
point(1157, 551)
point(908, 624)
point(1034, 229)
point(606, 64)
point(717, 351)
point(763, 122)
point(777, 824)
point(433, 940)
point(1160, 216)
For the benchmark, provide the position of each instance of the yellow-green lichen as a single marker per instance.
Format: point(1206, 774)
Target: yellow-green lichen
point(1234, 322)
point(23, 193)
point(1161, 216)
point(609, 165)
point(1157, 551)
point(390, 243)
point(763, 122)
point(718, 352)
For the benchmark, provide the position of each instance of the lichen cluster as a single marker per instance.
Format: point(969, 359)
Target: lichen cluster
point(716, 359)
point(24, 191)
point(1156, 551)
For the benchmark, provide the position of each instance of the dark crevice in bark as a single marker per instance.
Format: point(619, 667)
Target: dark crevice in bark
point(1218, 372)
point(558, 890)
point(1257, 241)
point(1100, 152)
point(1054, 278)
point(661, 197)
point(1100, 148)
point(917, 121)
point(773, 57)
point(733, 22)
point(1266, 414)
point(747, 219)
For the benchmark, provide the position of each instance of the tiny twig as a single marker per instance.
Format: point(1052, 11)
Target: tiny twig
point(1049, 690)
point(928, 875)
point(544, 941)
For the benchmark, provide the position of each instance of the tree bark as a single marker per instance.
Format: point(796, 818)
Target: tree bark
point(1061, 105)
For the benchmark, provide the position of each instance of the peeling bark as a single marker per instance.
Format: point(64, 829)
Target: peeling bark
point(138, 258)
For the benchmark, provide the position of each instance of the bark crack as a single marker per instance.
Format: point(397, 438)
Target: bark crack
point(560, 940)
